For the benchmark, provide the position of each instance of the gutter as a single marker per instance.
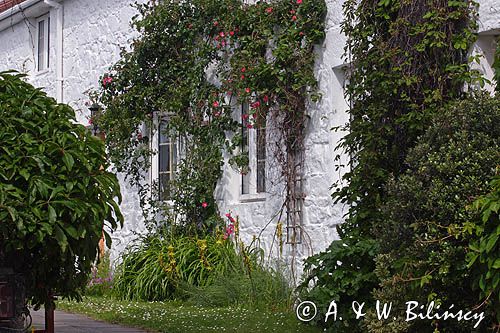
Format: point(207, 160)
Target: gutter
point(59, 48)
point(15, 14)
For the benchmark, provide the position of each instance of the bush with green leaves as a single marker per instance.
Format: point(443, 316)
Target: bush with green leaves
point(483, 257)
point(210, 271)
point(407, 59)
point(423, 253)
point(55, 192)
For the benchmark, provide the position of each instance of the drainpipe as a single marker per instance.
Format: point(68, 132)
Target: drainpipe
point(59, 48)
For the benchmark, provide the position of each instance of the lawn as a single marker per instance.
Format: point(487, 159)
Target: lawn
point(179, 317)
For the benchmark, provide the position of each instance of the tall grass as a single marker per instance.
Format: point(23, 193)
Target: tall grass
point(207, 271)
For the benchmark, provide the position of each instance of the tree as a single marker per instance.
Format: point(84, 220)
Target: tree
point(55, 192)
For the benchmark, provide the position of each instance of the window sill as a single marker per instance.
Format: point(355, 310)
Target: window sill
point(42, 72)
point(253, 197)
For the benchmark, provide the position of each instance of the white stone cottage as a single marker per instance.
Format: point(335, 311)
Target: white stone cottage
point(66, 45)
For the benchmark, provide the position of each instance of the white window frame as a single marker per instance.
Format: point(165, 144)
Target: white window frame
point(155, 158)
point(45, 20)
point(252, 194)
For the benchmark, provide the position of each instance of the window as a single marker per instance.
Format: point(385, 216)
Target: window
point(42, 43)
point(164, 162)
point(253, 180)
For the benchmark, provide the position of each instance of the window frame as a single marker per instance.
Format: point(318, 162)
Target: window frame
point(253, 194)
point(45, 21)
point(174, 157)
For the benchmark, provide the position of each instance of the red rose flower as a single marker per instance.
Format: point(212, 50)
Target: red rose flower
point(294, 18)
point(204, 204)
point(269, 10)
point(247, 90)
point(255, 104)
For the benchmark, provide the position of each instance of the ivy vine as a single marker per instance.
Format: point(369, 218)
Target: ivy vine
point(407, 59)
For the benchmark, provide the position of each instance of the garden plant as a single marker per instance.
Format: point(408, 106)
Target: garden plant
point(57, 198)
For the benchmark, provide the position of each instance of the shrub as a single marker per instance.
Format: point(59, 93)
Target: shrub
point(153, 268)
point(214, 270)
point(55, 192)
point(484, 256)
point(423, 256)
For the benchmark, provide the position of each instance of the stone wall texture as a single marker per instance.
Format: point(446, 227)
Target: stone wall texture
point(94, 31)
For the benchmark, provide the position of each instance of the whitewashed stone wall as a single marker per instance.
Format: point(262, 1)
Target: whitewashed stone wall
point(94, 31)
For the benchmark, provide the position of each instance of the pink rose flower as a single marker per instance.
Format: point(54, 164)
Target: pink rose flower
point(204, 204)
point(269, 10)
point(299, 2)
point(215, 104)
point(247, 90)
point(255, 104)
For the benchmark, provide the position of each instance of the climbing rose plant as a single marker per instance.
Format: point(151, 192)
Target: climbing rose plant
point(192, 63)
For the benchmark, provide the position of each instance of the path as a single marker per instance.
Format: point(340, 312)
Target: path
point(71, 323)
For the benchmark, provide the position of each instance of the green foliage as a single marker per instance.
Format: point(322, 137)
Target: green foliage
point(496, 67)
point(423, 256)
point(407, 59)
point(101, 280)
point(55, 192)
point(192, 63)
point(266, 288)
point(483, 259)
point(209, 271)
point(153, 268)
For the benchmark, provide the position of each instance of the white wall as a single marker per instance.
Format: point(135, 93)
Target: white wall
point(94, 31)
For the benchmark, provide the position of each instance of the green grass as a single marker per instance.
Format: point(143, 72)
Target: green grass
point(173, 317)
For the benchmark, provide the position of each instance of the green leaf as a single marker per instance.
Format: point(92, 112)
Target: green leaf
point(61, 238)
point(52, 214)
point(491, 242)
point(68, 160)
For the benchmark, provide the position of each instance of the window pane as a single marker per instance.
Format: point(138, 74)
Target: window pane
point(245, 177)
point(261, 176)
point(164, 186)
point(164, 157)
point(261, 144)
point(48, 42)
point(163, 137)
point(41, 45)
point(261, 159)
point(245, 183)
